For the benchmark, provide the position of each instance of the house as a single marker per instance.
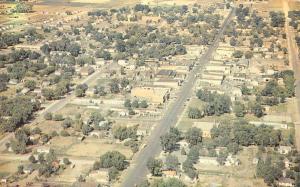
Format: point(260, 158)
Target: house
point(207, 161)
point(37, 91)
point(169, 173)
point(34, 138)
point(218, 67)
point(43, 149)
point(287, 182)
point(86, 71)
point(165, 73)
point(25, 91)
point(4, 180)
point(97, 134)
point(46, 83)
point(13, 81)
point(155, 94)
point(28, 169)
point(123, 63)
point(284, 149)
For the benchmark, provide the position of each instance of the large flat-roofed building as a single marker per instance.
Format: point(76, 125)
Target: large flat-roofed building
point(172, 83)
point(154, 94)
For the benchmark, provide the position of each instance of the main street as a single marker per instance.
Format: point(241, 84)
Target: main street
point(293, 59)
point(138, 169)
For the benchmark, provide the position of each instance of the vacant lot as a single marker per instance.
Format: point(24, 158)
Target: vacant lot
point(8, 167)
point(96, 147)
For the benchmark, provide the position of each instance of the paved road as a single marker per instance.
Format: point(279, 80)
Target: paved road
point(138, 169)
point(294, 61)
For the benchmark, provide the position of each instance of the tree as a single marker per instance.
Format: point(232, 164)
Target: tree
point(222, 157)
point(114, 86)
point(237, 54)
point(48, 116)
point(66, 161)
point(122, 133)
point(172, 162)
point(95, 118)
point(64, 133)
point(155, 166)
point(4, 78)
point(135, 104)
point(239, 109)
point(112, 173)
point(58, 117)
point(36, 130)
point(233, 41)
point(189, 169)
point(277, 19)
point(245, 90)
point(51, 157)
point(171, 182)
point(80, 90)
point(86, 129)
point(20, 169)
point(113, 159)
point(169, 140)
point(67, 123)
point(103, 54)
point(193, 154)
point(127, 103)
point(143, 104)
point(257, 109)
point(23, 8)
point(30, 84)
point(32, 159)
point(41, 158)
point(233, 148)
point(248, 55)
point(18, 147)
point(193, 136)
point(194, 113)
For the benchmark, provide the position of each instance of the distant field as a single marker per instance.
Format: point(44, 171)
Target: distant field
point(294, 5)
point(91, 1)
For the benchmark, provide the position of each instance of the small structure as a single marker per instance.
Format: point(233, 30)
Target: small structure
point(286, 182)
point(255, 161)
point(284, 149)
